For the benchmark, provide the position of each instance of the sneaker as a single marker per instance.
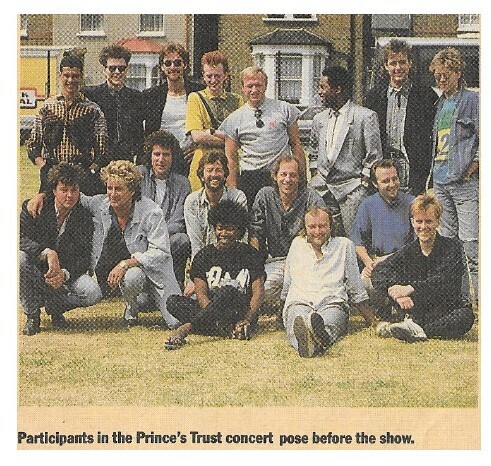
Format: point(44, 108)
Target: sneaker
point(383, 330)
point(33, 325)
point(305, 338)
point(408, 330)
point(315, 322)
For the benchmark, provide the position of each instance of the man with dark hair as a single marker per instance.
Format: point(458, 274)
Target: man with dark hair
point(122, 106)
point(70, 128)
point(228, 277)
point(382, 224)
point(55, 252)
point(169, 190)
point(212, 171)
point(165, 105)
point(344, 143)
point(405, 112)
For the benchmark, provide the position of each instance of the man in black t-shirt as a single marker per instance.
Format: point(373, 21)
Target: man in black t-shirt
point(228, 278)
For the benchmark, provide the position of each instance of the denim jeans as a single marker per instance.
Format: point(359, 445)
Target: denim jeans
point(460, 218)
point(35, 293)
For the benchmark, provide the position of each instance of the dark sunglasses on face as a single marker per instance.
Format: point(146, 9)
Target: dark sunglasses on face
point(120, 68)
point(258, 113)
point(176, 63)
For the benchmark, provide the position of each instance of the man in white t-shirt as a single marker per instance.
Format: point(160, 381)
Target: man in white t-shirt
point(262, 129)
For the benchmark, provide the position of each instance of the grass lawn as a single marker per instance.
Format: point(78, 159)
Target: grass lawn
point(99, 362)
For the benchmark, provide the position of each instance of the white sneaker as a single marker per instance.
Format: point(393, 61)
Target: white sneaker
point(305, 339)
point(382, 330)
point(408, 330)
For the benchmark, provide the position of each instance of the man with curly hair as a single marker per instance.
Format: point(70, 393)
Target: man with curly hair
point(229, 281)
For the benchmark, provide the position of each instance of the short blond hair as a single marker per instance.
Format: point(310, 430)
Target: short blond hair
point(425, 201)
point(450, 58)
point(252, 71)
point(123, 170)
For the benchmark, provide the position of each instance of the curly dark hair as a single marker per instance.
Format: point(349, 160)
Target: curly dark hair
point(228, 212)
point(164, 139)
point(114, 51)
point(66, 173)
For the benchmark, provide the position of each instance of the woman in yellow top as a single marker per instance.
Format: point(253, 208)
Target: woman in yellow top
point(202, 126)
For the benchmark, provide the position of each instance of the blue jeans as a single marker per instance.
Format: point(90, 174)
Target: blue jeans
point(460, 218)
point(335, 320)
point(35, 293)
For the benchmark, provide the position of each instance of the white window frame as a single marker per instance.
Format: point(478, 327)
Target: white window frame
point(469, 23)
point(155, 33)
point(91, 32)
point(293, 79)
point(149, 61)
point(24, 24)
point(267, 54)
point(290, 18)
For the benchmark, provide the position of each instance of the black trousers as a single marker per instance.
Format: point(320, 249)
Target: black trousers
point(228, 306)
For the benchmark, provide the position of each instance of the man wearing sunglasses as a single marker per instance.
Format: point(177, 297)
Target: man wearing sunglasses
point(122, 105)
point(263, 129)
point(165, 105)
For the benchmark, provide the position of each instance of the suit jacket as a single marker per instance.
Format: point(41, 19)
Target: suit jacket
point(418, 126)
point(146, 238)
point(128, 142)
point(357, 147)
point(178, 189)
point(73, 246)
point(154, 99)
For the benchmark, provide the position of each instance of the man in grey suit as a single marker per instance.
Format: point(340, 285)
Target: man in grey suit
point(344, 143)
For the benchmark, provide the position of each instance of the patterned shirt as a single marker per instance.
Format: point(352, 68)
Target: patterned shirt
point(72, 132)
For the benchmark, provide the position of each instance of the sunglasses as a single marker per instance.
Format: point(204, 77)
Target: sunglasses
point(169, 63)
point(120, 68)
point(258, 113)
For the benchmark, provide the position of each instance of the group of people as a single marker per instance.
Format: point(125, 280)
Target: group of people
point(195, 201)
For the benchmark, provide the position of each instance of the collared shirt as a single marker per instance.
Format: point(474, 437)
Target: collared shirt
point(382, 227)
point(332, 279)
point(334, 123)
point(72, 132)
point(196, 208)
point(396, 116)
point(275, 226)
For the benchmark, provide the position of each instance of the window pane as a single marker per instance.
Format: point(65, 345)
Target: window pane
point(91, 22)
point(136, 77)
point(151, 23)
point(290, 79)
point(155, 76)
point(23, 22)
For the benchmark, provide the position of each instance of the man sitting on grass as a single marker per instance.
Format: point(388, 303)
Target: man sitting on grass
point(321, 281)
point(228, 278)
point(424, 280)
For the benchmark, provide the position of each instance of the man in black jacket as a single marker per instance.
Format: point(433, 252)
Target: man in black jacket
point(405, 113)
point(55, 250)
point(122, 105)
point(165, 104)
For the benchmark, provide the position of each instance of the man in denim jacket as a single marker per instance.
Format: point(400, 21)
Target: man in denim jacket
point(456, 156)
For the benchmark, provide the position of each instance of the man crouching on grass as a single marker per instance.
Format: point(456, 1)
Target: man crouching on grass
point(228, 278)
point(321, 281)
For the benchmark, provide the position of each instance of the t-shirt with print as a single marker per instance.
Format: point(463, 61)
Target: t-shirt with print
point(238, 266)
point(444, 125)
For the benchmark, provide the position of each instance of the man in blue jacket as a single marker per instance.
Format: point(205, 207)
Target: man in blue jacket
point(456, 156)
